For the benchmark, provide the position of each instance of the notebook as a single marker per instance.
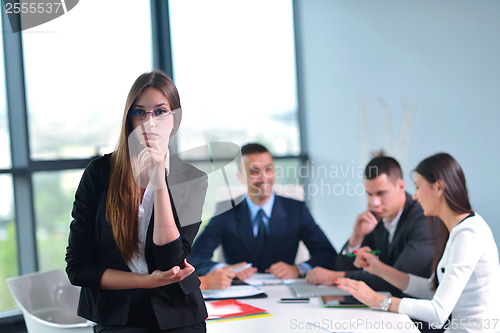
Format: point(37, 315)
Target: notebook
point(303, 289)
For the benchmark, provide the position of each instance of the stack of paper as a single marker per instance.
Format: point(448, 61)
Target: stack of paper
point(266, 279)
point(244, 291)
point(231, 309)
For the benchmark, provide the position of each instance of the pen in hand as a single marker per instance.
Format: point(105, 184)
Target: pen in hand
point(239, 269)
point(355, 253)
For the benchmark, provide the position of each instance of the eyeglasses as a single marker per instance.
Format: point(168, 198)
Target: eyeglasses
point(159, 114)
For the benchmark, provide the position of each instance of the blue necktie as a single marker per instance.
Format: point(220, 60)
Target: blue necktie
point(261, 235)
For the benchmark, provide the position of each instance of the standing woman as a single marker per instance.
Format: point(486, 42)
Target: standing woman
point(467, 272)
point(131, 232)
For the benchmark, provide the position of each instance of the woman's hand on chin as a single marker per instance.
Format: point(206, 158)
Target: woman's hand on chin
point(152, 162)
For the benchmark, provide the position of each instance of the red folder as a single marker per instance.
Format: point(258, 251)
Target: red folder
point(231, 308)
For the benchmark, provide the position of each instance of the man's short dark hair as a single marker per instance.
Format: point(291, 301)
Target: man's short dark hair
point(383, 165)
point(252, 148)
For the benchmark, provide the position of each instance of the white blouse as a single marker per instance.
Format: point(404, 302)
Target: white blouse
point(138, 262)
point(469, 277)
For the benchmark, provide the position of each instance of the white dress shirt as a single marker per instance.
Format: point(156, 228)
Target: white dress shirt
point(391, 225)
point(254, 209)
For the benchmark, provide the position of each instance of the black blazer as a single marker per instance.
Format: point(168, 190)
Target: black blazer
point(412, 249)
point(290, 222)
point(92, 249)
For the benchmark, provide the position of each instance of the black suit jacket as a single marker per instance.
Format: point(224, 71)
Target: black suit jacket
point(92, 249)
point(412, 249)
point(290, 222)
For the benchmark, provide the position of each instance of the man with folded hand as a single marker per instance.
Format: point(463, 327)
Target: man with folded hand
point(393, 224)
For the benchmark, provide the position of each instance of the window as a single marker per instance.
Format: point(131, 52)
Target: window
point(5, 161)
point(78, 69)
point(54, 194)
point(234, 66)
point(77, 91)
point(8, 242)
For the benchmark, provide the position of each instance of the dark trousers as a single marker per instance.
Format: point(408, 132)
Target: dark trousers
point(196, 328)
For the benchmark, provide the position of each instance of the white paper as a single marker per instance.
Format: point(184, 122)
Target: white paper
point(232, 292)
point(266, 279)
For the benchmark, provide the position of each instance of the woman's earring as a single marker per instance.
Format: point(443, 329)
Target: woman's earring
point(439, 195)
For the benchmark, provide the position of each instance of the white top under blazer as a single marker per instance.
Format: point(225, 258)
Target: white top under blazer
point(469, 280)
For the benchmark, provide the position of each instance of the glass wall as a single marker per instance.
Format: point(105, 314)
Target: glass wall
point(234, 66)
point(79, 68)
point(8, 242)
point(54, 194)
point(5, 161)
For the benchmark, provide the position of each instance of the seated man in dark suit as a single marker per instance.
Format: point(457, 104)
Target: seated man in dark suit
point(264, 229)
point(394, 224)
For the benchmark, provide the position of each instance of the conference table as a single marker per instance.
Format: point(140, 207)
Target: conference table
point(311, 317)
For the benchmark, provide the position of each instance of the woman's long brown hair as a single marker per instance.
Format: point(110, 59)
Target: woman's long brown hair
point(122, 204)
point(444, 167)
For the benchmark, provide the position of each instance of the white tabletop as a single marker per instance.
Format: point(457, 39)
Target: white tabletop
point(302, 317)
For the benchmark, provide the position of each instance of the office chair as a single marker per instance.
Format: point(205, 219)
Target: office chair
point(48, 302)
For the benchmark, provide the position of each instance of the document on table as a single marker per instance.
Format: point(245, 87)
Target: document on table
point(244, 291)
point(266, 279)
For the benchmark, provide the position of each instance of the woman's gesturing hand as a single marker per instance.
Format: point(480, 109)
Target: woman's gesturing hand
point(367, 261)
point(173, 275)
point(360, 291)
